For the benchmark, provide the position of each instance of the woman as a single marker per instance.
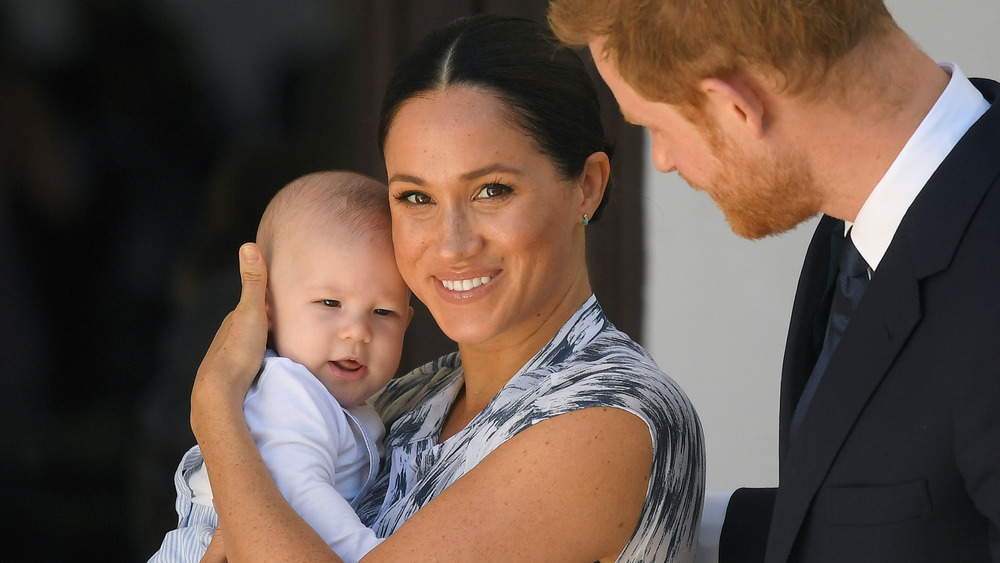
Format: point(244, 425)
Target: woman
point(550, 435)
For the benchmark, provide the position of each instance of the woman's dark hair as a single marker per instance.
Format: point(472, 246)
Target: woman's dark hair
point(544, 84)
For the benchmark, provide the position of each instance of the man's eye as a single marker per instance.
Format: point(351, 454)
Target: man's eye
point(493, 190)
point(330, 303)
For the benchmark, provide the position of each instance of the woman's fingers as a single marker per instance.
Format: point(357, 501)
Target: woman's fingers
point(216, 552)
point(253, 274)
point(248, 322)
point(237, 350)
point(239, 344)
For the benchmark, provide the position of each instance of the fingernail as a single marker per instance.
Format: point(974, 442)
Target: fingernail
point(248, 253)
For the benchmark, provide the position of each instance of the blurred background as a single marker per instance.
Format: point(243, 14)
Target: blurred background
point(139, 142)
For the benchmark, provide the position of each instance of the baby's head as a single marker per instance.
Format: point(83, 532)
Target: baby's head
point(335, 301)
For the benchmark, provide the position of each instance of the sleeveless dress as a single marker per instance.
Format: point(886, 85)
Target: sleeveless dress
point(589, 363)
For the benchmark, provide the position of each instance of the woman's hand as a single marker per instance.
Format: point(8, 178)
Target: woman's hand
point(236, 353)
point(259, 523)
point(216, 552)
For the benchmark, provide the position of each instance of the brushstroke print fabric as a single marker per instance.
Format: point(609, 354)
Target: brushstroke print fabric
point(589, 363)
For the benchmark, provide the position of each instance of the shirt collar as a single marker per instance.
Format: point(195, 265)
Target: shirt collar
point(959, 106)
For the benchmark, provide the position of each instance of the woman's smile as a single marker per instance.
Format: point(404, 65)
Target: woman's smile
point(488, 236)
point(466, 284)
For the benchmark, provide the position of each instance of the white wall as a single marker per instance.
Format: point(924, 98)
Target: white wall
point(717, 306)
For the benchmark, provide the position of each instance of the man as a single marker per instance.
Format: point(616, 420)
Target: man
point(890, 397)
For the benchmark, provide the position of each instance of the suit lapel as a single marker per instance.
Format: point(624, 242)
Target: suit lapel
point(884, 320)
point(924, 245)
point(806, 327)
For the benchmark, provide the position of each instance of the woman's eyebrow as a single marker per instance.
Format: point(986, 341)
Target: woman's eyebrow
point(490, 169)
point(406, 178)
point(471, 175)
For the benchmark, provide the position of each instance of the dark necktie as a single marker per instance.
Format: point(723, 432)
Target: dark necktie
point(852, 280)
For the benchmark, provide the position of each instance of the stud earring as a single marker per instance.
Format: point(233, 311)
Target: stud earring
point(586, 220)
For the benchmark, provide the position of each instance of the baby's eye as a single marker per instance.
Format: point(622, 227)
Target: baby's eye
point(493, 190)
point(330, 303)
point(416, 198)
point(384, 312)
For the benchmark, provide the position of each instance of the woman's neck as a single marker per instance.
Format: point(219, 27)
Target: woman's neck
point(488, 366)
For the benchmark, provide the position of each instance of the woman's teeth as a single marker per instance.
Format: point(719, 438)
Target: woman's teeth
point(464, 285)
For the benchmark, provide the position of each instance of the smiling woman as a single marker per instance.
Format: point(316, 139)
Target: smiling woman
point(497, 211)
point(550, 435)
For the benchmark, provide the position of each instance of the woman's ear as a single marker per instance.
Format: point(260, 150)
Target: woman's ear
point(594, 182)
point(736, 103)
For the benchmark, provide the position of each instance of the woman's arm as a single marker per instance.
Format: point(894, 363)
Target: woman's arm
point(570, 488)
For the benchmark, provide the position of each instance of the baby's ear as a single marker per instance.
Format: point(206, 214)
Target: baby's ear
point(409, 316)
point(270, 320)
point(267, 309)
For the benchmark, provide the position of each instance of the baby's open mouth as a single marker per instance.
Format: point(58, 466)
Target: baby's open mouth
point(348, 365)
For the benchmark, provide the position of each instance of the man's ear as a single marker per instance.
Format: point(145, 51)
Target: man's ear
point(735, 102)
point(594, 182)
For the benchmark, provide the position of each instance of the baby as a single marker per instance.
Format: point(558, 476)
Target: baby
point(337, 309)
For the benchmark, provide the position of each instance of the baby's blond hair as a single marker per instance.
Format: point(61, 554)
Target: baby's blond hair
point(322, 200)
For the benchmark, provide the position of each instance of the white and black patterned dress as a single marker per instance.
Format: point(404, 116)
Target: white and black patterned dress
point(589, 363)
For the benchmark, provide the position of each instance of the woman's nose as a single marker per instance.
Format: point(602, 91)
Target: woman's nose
point(458, 237)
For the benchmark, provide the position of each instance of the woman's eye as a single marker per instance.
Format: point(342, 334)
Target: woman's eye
point(493, 190)
point(416, 198)
point(330, 303)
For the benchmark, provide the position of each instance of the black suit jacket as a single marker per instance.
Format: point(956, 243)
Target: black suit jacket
point(898, 456)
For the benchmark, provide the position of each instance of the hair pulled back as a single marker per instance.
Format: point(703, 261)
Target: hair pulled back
point(544, 85)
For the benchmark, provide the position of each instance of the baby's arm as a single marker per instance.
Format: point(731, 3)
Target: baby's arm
point(195, 523)
point(300, 431)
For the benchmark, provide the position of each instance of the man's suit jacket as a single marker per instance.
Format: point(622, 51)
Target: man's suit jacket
point(898, 456)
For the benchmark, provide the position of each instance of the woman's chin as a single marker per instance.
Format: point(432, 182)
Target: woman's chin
point(466, 331)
